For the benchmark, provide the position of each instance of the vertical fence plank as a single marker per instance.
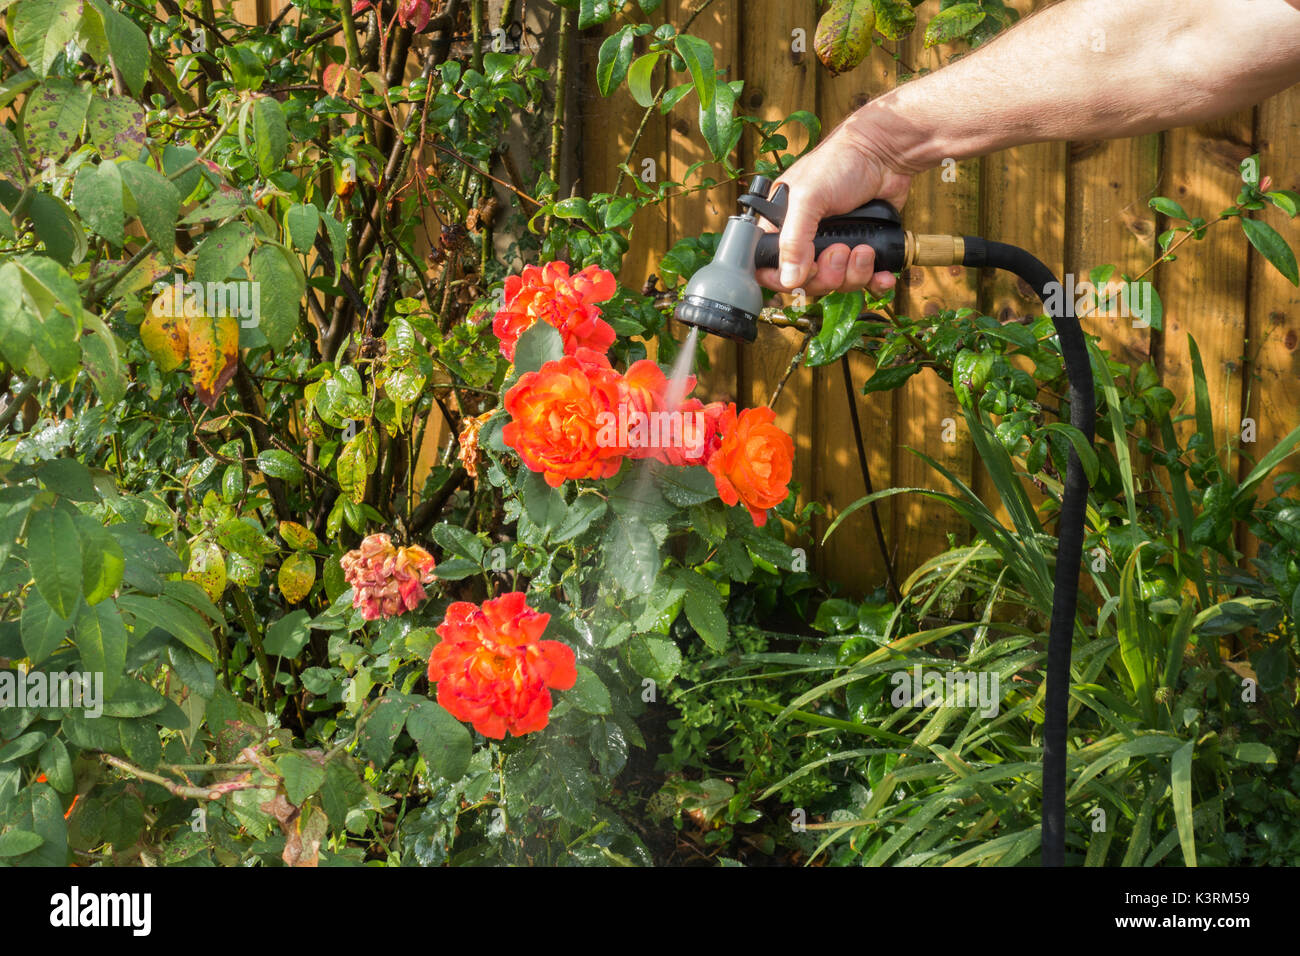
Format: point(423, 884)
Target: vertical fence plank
point(248, 12)
point(852, 555)
point(609, 125)
point(944, 200)
point(1204, 291)
point(1024, 203)
point(705, 210)
point(778, 81)
point(1109, 222)
point(1273, 341)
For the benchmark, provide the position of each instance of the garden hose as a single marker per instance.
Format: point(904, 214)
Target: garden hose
point(724, 298)
point(984, 253)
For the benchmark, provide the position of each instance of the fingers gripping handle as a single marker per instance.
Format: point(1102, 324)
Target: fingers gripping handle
point(888, 239)
point(877, 224)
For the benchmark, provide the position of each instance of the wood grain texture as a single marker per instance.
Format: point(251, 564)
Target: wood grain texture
point(924, 406)
point(1204, 291)
point(779, 81)
point(608, 127)
point(852, 555)
point(705, 210)
point(1023, 202)
point(1272, 380)
point(1109, 222)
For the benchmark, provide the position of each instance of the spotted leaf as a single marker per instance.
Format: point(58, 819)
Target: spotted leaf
point(214, 354)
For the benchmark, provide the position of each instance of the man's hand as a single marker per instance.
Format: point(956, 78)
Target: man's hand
point(841, 174)
point(1166, 63)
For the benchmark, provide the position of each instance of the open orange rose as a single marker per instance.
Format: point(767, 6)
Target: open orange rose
point(701, 433)
point(753, 462)
point(556, 415)
point(570, 303)
point(492, 668)
point(643, 429)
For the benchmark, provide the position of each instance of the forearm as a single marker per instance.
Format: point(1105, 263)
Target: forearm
point(1089, 69)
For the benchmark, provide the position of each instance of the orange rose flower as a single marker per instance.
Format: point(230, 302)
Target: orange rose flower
point(753, 462)
point(556, 415)
point(386, 581)
point(570, 303)
point(701, 432)
point(644, 392)
point(493, 670)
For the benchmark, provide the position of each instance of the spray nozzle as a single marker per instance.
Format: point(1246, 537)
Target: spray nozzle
point(724, 298)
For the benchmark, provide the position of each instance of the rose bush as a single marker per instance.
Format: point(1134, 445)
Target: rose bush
point(332, 446)
point(226, 331)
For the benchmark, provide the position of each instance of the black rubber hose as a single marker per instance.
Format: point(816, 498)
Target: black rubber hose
point(1078, 369)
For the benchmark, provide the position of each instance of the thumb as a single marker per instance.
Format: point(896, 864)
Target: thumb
point(796, 242)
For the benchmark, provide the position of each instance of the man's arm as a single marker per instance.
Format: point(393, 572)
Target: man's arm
point(1082, 69)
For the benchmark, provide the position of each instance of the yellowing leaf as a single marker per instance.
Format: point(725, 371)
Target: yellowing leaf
point(208, 568)
point(297, 575)
point(243, 571)
point(166, 337)
point(843, 37)
point(214, 355)
point(146, 273)
point(355, 463)
point(298, 537)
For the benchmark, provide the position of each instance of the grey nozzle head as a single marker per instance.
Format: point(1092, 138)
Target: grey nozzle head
point(718, 318)
point(724, 297)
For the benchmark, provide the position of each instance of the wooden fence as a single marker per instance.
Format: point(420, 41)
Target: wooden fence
point(1075, 205)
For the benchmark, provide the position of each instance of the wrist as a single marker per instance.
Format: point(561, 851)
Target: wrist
point(899, 143)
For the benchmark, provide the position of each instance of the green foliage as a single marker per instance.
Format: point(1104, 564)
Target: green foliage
point(187, 552)
point(1184, 676)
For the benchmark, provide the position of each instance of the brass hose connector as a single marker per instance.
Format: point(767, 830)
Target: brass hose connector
point(923, 250)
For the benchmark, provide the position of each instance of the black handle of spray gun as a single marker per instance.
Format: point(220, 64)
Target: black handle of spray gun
point(885, 238)
point(877, 224)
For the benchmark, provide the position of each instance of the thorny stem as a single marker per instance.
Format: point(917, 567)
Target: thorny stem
point(214, 792)
point(94, 294)
point(561, 81)
point(794, 364)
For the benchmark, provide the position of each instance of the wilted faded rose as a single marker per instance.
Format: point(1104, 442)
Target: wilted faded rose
point(386, 581)
point(468, 440)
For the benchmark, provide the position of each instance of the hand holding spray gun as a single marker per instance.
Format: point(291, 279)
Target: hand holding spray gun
point(837, 205)
point(1166, 63)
